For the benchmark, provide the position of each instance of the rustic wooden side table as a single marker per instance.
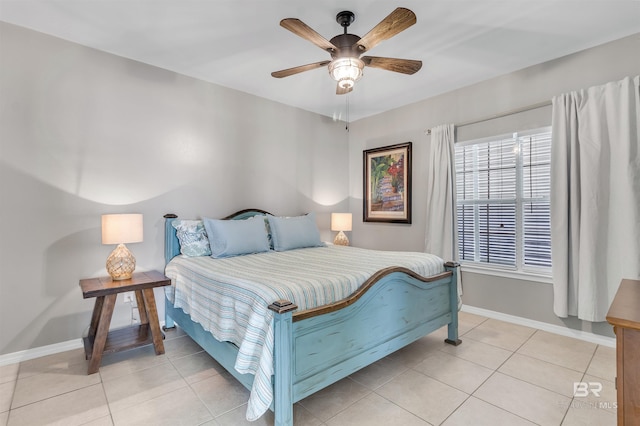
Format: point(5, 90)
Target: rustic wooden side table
point(99, 339)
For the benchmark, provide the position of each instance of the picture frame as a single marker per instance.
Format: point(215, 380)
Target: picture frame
point(387, 184)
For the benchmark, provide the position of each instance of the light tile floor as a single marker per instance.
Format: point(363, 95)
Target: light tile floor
point(502, 374)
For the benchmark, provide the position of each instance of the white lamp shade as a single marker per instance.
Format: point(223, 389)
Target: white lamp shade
point(341, 221)
point(121, 228)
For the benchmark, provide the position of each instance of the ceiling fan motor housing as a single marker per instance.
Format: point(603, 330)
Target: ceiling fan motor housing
point(347, 45)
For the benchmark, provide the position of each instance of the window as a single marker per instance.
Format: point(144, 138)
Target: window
point(502, 186)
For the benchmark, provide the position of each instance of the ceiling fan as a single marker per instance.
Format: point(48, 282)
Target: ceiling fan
point(345, 49)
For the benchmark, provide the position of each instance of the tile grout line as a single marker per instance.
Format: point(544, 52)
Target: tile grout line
point(573, 398)
point(213, 416)
point(496, 371)
point(106, 399)
point(480, 385)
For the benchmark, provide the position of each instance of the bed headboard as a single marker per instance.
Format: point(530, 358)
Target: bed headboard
point(171, 243)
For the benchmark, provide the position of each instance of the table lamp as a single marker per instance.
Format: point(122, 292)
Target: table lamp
point(121, 229)
point(341, 222)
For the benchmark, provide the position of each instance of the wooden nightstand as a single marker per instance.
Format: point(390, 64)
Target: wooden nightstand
point(100, 340)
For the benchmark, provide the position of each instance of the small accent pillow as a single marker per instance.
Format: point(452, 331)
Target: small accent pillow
point(192, 237)
point(290, 233)
point(236, 237)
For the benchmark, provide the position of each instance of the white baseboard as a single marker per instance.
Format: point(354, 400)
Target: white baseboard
point(16, 357)
point(551, 328)
point(40, 351)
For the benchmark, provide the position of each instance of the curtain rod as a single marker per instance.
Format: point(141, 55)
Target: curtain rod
point(503, 114)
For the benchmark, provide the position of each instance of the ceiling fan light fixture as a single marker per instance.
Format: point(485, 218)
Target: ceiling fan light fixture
point(346, 71)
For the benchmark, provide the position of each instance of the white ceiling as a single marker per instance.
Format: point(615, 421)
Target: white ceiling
point(238, 43)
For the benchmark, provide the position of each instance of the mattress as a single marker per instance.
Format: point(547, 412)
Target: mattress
point(230, 297)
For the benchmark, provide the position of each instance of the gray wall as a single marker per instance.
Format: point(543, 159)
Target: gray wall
point(84, 133)
point(529, 86)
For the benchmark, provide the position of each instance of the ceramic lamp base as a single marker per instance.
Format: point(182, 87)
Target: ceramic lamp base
point(121, 263)
point(341, 239)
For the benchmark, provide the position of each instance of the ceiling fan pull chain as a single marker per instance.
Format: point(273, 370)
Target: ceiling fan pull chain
point(347, 101)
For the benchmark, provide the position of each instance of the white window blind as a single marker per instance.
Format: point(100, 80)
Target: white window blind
point(502, 187)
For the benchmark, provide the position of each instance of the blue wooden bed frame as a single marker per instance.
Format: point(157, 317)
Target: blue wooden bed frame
point(317, 347)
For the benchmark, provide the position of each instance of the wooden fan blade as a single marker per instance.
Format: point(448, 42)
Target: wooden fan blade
point(341, 91)
point(301, 68)
point(397, 21)
point(301, 29)
point(405, 66)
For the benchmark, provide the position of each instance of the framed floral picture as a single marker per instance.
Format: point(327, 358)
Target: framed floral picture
point(387, 184)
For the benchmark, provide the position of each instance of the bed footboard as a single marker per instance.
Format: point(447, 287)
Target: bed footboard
point(316, 348)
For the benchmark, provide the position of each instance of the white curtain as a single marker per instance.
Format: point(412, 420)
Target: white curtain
point(595, 196)
point(441, 234)
point(441, 195)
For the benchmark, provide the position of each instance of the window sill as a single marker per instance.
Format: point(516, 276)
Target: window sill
point(507, 273)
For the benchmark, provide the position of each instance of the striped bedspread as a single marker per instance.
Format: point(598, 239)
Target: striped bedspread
point(229, 297)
